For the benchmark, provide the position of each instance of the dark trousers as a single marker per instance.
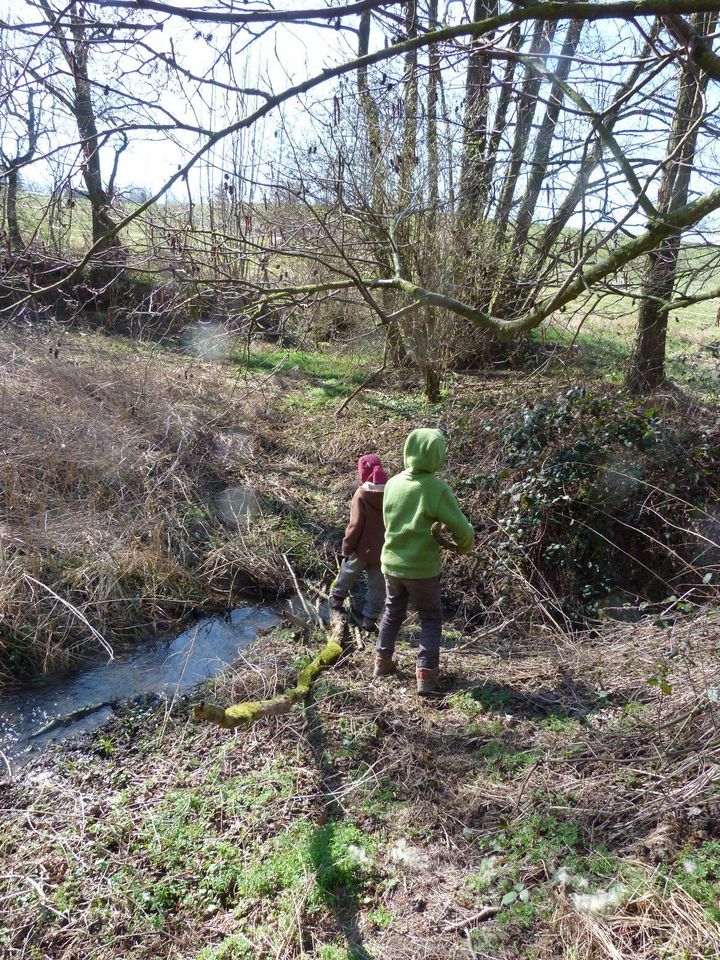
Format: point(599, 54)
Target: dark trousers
point(424, 595)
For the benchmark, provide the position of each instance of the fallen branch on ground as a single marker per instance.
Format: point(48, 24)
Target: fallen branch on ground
point(485, 914)
point(245, 714)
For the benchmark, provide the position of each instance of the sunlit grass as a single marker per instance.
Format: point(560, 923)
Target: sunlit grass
point(600, 334)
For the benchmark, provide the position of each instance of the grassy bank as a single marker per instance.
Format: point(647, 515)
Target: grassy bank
point(565, 779)
point(143, 484)
point(570, 787)
point(127, 476)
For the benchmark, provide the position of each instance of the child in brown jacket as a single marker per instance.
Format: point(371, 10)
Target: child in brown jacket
point(363, 542)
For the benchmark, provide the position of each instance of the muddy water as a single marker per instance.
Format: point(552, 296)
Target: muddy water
point(31, 718)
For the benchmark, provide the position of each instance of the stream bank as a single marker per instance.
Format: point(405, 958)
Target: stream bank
point(65, 707)
point(567, 775)
point(147, 487)
point(551, 781)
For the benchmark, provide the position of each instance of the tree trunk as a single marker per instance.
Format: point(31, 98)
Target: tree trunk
point(14, 235)
point(424, 337)
point(535, 269)
point(76, 51)
point(647, 365)
point(12, 170)
point(449, 158)
point(527, 105)
point(408, 154)
point(92, 174)
point(432, 117)
point(500, 123)
point(475, 122)
point(509, 291)
point(397, 354)
point(546, 134)
point(372, 120)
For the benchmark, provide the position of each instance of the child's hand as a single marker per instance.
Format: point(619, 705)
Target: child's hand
point(442, 535)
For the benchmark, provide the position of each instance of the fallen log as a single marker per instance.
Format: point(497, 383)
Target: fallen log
point(244, 714)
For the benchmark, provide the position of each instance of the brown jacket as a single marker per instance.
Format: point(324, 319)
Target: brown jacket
point(365, 533)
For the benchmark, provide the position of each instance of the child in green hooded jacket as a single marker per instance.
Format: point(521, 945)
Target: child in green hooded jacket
point(410, 560)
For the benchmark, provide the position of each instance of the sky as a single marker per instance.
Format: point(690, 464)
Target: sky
point(283, 56)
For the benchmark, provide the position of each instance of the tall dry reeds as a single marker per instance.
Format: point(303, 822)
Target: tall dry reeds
point(108, 476)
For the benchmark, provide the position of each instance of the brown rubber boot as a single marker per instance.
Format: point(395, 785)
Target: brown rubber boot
point(369, 625)
point(427, 680)
point(384, 665)
point(336, 603)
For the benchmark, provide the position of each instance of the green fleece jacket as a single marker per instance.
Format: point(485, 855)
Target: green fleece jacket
point(413, 501)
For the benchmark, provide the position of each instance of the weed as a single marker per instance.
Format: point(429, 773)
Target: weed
point(485, 697)
point(486, 877)
point(331, 952)
point(380, 917)
point(505, 762)
point(697, 870)
point(337, 856)
point(382, 801)
point(559, 724)
point(235, 947)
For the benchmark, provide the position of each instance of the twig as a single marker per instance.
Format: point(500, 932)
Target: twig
point(74, 610)
point(312, 614)
point(485, 914)
point(359, 389)
point(295, 621)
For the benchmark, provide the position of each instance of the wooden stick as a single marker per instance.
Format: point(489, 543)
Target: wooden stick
point(358, 390)
point(485, 914)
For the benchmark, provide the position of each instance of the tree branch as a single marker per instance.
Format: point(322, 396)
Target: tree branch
point(245, 714)
point(255, 16)
point(657, 231)
point(698, 48)
point(549, 10)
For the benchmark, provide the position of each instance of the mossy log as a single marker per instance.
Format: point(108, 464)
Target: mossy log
point(245, 714)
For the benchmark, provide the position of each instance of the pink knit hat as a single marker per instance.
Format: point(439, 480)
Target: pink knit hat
point(370, 468)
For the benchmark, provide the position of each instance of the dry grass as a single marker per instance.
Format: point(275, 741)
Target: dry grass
point(539, 757)
point(112, 458)
point(114, 455)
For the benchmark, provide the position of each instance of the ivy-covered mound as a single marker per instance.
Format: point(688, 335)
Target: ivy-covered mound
point(596, 501)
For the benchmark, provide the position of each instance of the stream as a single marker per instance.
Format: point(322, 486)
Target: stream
point(70, 705)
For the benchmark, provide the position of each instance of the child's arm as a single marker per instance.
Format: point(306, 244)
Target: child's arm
point(451, 515)
point(355, 527)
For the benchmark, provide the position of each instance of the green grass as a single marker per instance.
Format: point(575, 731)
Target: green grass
point(328, 865)
point(329, 367)
point(335, 375)
point(196, 851)
point(602, 331)
point(697, 870)
point(481, 699)
point(234, 947)
point(503, 762)
point(72, 228)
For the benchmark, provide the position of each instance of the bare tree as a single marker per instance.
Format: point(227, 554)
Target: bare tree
point(647, 367)
point(27, 123)
point(75, 44)
point(558, 203)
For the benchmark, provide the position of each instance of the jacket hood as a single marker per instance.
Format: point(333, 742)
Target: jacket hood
point(424, 451)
